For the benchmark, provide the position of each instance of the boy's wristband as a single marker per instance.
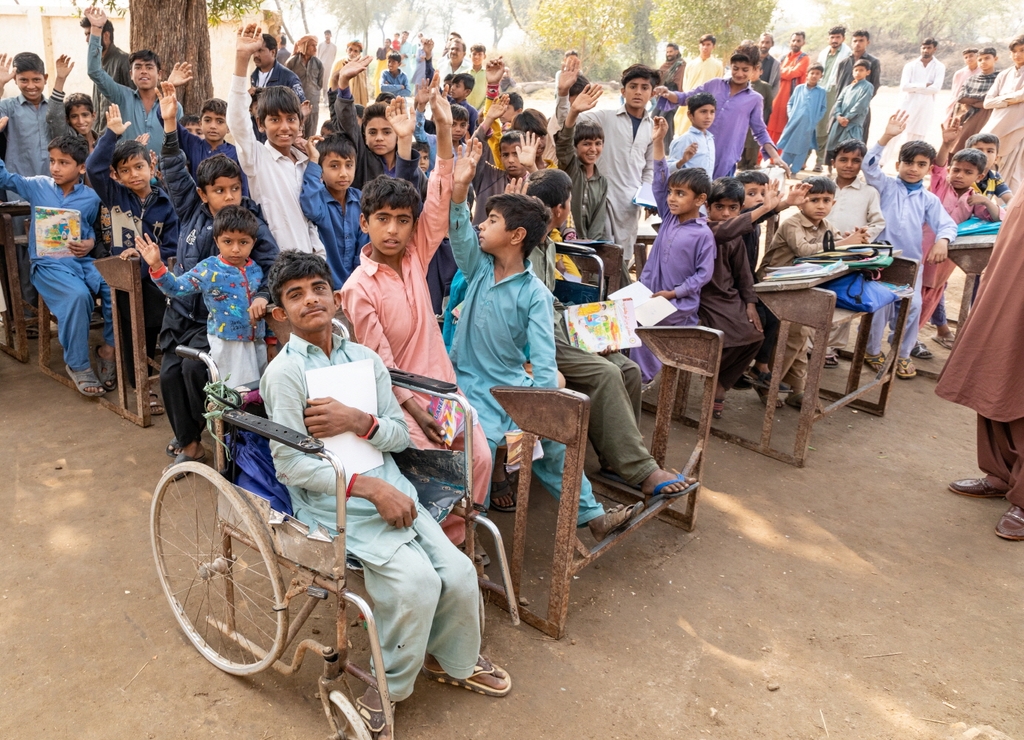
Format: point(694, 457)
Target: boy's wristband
point(351, 481)
point(374, 426)
point(493, 90)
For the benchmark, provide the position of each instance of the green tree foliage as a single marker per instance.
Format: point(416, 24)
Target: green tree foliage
point(597, 29)
point(730, 22)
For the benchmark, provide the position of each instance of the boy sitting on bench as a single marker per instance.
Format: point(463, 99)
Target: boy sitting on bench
point(425, 593)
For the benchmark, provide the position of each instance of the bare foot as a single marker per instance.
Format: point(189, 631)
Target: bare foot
point(660, 476)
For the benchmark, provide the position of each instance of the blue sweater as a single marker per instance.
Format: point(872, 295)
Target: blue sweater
point(196, 150)
point(195, 240)
point(130, 215)
point(227, 291)
point(338, 227)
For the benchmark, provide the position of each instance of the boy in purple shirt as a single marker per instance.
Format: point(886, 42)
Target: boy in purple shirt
point(683, 255)
point(739, 108)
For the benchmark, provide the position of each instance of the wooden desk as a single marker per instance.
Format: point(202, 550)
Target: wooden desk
point(803, 302)
point(971, 254)
point(15, 342)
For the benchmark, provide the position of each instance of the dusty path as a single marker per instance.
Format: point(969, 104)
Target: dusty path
point(792, 578)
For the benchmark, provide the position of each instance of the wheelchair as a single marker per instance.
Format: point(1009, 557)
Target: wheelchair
point(222, 551)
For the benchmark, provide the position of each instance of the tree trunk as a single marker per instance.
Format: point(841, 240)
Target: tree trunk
point(177, 30)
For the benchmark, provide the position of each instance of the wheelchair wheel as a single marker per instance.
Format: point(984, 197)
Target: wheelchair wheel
point(350, 724)
point(218, 569)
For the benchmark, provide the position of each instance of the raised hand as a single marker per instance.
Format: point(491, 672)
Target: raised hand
point(402, 121)
point(181, 74)
point(689, 153)
point(114, 122)
point(440, 108)
point(311, 151)
point(587, 99)
point(248, 41)
point(526, 150)
point(144, 140)
point(305, 108)
point(516, 186)
point(897, 123)
point(63, 66)
point(6, 69)
point(660, 128)
point(428, 48)
point(950, 130)
point(352, 69)
point(568, 76)
point(422, 95)
point(465, 165)
point(149, 250)
point(498, 108)
point(168, 101)
point(97, 18)
point(494, 70)
point(773, 195)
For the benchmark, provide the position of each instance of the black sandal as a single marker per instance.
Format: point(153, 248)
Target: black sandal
point(503, 489)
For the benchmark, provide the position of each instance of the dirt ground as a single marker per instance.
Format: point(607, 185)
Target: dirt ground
point(879, 604)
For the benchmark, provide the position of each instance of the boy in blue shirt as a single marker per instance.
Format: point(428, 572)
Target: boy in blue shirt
point(507, 320)
point(218, 184)
point(209, 140)
point(695, 148)
point(69, 285)
point(394, 80)
point(229, 283)
point(907, 207)
point(136, 208)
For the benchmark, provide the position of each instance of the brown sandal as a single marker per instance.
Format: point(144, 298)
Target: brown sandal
point(483, 667)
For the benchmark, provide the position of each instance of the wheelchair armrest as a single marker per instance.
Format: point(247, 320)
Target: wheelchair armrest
point(575, 250)
point(273, 431)
point(420, 383)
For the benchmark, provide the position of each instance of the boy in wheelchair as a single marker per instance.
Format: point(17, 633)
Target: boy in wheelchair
point(425, 592)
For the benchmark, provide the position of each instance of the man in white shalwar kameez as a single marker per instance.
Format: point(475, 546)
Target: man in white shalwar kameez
point(1006, 99)
point(920, 82)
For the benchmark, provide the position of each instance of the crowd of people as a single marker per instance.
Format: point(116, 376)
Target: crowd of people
point(432, 195)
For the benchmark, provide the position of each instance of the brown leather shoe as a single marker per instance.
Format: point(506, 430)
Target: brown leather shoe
point(1011, 526)
point(976, 488)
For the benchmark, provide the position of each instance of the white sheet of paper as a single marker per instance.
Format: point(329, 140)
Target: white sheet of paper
point(656, 309)
point(645, 196)
point(639, 292)
point(352, 384)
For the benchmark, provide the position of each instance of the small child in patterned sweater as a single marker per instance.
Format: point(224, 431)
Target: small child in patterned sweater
point(229, 284)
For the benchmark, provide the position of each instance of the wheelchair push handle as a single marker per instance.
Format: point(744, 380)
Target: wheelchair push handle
point(190, 353)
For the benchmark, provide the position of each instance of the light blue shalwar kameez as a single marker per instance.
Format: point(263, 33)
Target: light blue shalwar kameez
point(907, 210)
point(806, 107)
point(854, 102)
point(425, 593)
point(68, 285)
point(501, 326)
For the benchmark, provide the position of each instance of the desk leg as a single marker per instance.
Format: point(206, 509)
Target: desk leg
point(773, 390)
point(859, 352)
point(15, 330)
point(809, 405)
point(965, 301)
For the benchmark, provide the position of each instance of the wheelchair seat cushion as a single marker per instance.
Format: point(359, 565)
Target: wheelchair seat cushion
point(254, 470)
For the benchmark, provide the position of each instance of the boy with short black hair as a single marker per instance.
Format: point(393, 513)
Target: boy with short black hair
point(908, 207)
point(802, 235)
point(217, 185)
point(579, 147)
point(394, 80)
point(26, 115)
point(806, 107)
point(992, 184)
point(696, 147)
point(506, 321)
point(857, 204)
point(229, 283)
point(191, 124)
point(275, 168)
point(121, 171)
point(73, 114)
point(139, 106)
point(459, 90)
point(209, 138)
point(478, 55)
point(425, 592)
point(70, 284)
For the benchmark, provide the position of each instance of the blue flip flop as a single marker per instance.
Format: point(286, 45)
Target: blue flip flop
point(678, 479)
